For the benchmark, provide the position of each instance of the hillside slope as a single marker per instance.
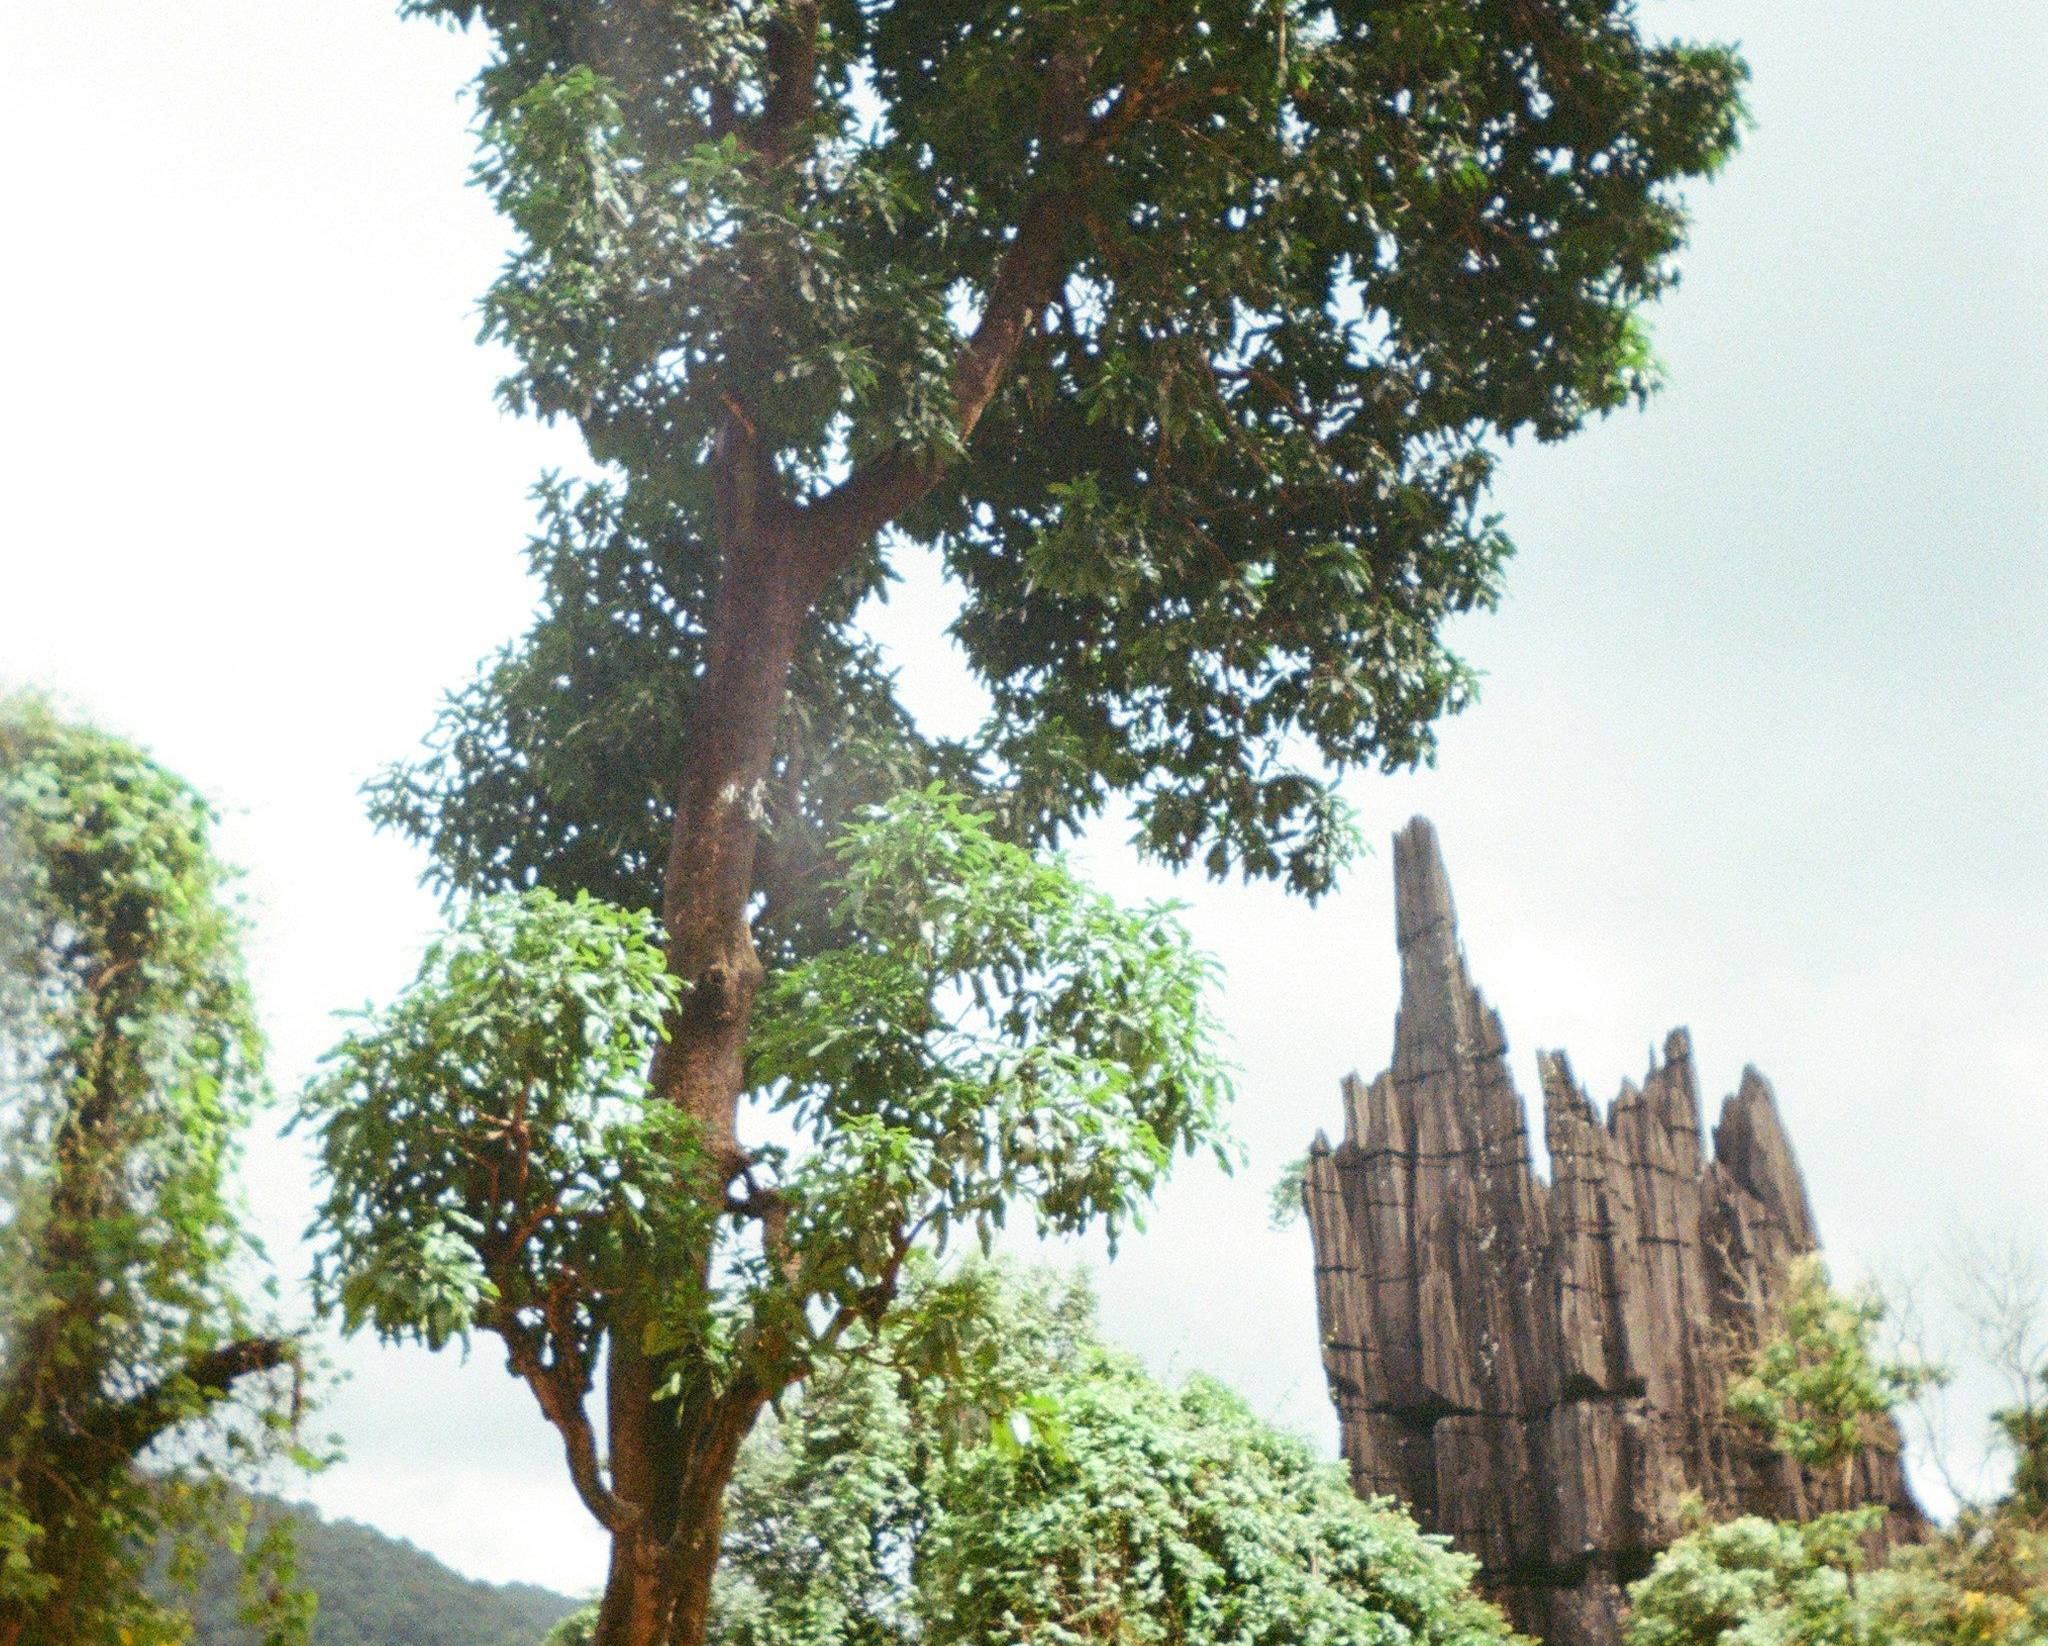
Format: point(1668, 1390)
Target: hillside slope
point(379, 1591)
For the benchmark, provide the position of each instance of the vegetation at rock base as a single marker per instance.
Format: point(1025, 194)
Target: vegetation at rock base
point(1982, 1581)
point(1817, 1388)
point(1784, 1583)
point(1184, 335)
point(1048, 1489)
point(136, 1383)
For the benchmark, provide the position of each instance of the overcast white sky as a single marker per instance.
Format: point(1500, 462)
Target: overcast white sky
point(1761, 749)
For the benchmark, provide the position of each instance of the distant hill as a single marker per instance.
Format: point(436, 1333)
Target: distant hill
point(380, 1591)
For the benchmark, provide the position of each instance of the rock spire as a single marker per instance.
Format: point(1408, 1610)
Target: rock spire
point(1540, 1368)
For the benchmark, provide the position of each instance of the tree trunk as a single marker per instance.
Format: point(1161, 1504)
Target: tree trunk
point(658, 1588)
point(702, 1517)
point(671, 1459)
point(636, 1606)
point(670, 1463)
point(757, 615)
point(690, 1621)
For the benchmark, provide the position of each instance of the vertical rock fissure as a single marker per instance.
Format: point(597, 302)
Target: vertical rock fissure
point(1540, 1368)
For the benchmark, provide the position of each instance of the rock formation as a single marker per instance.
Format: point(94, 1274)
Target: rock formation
point(1540, 1368)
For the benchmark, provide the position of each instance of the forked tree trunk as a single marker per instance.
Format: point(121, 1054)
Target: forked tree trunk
point(636, 1606)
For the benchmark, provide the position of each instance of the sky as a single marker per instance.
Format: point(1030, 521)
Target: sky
point(1762, 747)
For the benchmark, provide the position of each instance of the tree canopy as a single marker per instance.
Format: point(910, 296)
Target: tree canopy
point(1182, 333)
point(135, 1380)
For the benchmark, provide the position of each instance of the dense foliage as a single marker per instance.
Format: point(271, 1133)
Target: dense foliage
point(134, 1378)
point(990, 1033)
point(1049, 1490)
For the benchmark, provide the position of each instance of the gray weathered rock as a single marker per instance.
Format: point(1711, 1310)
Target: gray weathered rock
point(1541, 1369)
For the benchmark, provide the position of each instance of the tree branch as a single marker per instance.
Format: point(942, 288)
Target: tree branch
point(1027, 278)
point(561, 1403)
point(792, 80)
point(137, 1422)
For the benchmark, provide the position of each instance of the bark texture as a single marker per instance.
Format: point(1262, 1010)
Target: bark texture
point(1540, 1368)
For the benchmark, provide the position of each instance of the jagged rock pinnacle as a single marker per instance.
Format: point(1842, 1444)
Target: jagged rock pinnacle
point(1423, 911)
point(1443, 1023)
point(1435, 1015)
point(1540, 1368)
point(1750, 1142)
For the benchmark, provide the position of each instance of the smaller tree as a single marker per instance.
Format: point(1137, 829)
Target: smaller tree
point(2023, 1428)
point(135, 1382)
point(2001, 1547)
point(986, 1034)
point(1818, 1390)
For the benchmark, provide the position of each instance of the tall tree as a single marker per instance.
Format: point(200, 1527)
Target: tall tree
point(135, 1382)
point(1181, 331)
